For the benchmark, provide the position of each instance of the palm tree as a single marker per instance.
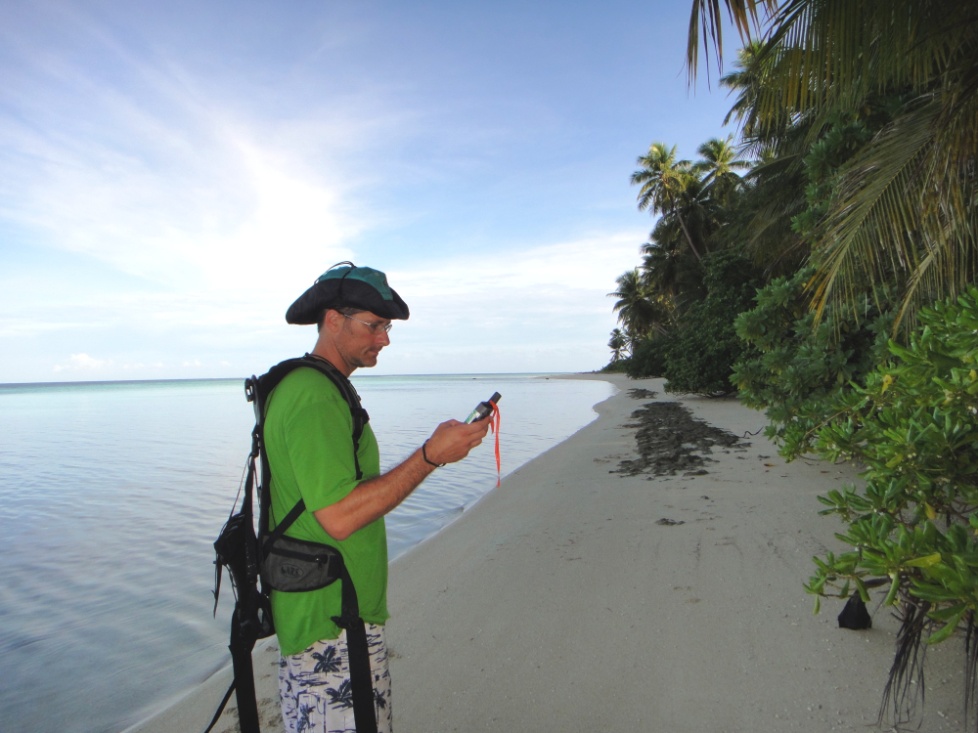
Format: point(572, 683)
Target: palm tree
point(773, 193)
point(669, 269)
point(635, 311)
point(774, 188)
point(669, 187)
point(905, 205)
point(719, 166)
point(618, 343)
point(752, 74)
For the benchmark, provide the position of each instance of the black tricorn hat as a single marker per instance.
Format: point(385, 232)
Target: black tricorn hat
point(345, 285)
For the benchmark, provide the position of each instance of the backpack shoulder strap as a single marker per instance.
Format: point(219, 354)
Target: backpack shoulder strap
point(271, 379)
point(259, 389)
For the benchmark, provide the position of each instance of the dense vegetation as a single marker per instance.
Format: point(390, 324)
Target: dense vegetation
point(823, 266)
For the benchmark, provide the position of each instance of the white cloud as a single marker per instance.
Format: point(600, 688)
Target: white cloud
point(552, 280)
point(83, 363)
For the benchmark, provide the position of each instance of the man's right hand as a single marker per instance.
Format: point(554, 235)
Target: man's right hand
point(453, 440)
point(375, 497)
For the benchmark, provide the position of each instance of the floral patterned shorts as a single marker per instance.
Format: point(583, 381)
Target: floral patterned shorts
point(315, 686)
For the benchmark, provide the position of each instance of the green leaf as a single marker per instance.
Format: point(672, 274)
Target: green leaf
point(949, 628)
point(926, 561)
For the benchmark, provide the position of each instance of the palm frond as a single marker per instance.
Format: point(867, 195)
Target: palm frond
point(904, 215)
point(873, 206)
point(705, 17)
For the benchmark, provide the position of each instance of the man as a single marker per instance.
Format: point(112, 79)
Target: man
point(308, 427)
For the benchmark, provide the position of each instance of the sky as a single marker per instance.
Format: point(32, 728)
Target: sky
point(173, 175)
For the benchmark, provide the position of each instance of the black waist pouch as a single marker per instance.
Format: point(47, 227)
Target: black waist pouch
point(293, 565)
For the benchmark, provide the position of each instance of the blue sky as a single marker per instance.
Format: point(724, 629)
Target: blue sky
point(173, 175)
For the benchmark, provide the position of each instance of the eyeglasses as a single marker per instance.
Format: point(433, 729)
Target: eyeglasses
point(375, 328)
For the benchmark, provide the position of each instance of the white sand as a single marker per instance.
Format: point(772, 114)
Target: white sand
point(560, 603)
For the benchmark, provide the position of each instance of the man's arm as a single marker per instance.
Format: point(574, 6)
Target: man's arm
point(373, 498)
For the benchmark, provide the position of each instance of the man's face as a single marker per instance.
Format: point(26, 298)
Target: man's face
point(361, 338)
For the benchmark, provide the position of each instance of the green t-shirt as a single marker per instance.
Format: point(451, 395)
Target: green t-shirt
point(308, 439)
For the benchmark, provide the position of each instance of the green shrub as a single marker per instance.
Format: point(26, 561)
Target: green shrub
point(700, 353)
point(619, 366)
point(648, 358)
point(914, 523)
point(795, 368)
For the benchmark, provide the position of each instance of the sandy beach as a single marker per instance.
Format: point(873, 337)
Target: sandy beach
point(644, 575)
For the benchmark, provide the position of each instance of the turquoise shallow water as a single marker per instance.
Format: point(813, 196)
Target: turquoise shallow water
point(111, 495)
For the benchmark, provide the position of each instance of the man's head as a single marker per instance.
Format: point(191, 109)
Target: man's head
point(353, 308)
point(345, 286)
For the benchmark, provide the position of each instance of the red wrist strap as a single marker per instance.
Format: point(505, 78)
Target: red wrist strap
point(494, 421)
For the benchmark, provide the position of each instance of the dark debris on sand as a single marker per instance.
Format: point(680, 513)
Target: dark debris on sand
point(671, 441)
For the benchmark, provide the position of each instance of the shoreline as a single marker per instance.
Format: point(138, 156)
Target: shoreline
point(585, 594)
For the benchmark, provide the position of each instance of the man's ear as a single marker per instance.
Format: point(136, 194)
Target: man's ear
point(332, 320)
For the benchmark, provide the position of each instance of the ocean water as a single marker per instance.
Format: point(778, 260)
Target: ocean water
point(111, 495)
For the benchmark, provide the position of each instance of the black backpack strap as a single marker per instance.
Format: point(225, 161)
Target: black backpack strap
point(361, 682)
point(237, 547)
point(243, 682)
point(270, 380)
point(241, 647)
point(294, 512)
point(220, 708)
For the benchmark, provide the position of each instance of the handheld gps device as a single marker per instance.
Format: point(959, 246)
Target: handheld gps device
point(483, 409)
